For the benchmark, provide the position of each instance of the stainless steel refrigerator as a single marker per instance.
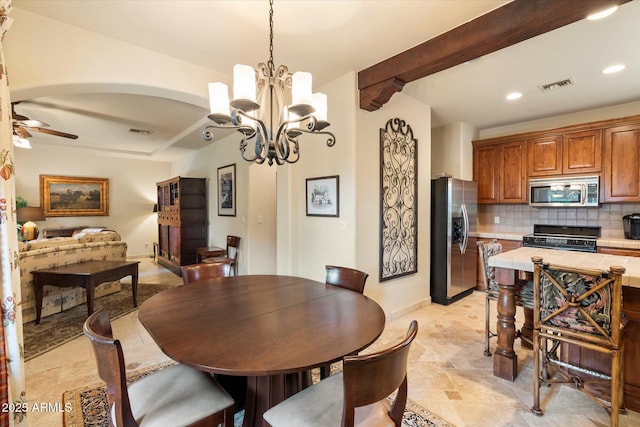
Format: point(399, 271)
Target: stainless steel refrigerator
point(454, 213)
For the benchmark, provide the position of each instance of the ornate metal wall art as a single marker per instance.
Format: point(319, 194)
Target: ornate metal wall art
point(398, 200)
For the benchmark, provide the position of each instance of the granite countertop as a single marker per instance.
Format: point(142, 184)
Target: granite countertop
point(520, 259)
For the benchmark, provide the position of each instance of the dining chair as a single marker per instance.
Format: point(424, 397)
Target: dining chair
point(202, 271)
point(231, 254)
point(173, 396)
point(348, 278)
point(523, 291)
point(578, 311)
point(357, 396)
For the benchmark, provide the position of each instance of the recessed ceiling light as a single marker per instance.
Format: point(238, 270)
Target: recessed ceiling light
point(614, 69)
point(514, 95)
point(602, 14)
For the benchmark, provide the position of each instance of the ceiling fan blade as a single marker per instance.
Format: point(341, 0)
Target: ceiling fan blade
point(31, 123)
point(54, 132)
point(22, 132)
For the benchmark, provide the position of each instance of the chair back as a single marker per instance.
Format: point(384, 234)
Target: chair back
point(581, 304)
point(111, 366)
point(486, 250)
point(233, 243)
point(346, 277)
point(372, 377)
point(195, 272)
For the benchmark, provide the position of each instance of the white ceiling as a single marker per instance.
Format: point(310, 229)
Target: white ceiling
point(330, 38)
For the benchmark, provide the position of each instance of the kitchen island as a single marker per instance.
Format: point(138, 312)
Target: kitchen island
point(508, 264)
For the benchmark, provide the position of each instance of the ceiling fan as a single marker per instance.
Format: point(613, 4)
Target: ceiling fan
point(22, 125)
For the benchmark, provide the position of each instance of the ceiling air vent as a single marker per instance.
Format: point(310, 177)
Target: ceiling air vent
point(141, 131)
point(556, 85)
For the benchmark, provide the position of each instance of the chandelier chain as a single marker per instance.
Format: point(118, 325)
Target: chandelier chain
point(270, 64)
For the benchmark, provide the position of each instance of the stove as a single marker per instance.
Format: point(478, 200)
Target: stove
point(563, 237)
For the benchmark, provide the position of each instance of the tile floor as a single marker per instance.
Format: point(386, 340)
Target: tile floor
point(448, 374)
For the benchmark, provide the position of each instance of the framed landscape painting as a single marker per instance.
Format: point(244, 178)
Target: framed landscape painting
point(227, 190)
point(74, 196)
point(323, 196)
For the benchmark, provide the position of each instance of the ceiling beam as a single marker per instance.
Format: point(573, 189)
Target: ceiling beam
point(512, 23)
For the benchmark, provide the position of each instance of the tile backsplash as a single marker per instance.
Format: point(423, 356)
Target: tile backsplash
point(519, 219)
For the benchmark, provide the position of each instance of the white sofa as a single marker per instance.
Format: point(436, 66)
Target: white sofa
point(45, 253)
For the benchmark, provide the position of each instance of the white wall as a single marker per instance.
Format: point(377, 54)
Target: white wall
point(404, 294)
point(306, 244)
point(132, 190)
point(596, 114)
point(452, 151)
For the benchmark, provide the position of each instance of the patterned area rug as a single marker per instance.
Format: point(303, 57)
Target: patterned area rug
point(60, 328)
point(90, 407)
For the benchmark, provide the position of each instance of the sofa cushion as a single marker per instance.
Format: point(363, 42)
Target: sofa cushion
point(88, 235)
point(54, 242)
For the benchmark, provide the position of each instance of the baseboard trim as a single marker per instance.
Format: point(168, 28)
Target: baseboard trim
point(408, 309)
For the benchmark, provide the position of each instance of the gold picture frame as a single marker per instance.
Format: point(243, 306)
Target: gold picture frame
point(74, 196)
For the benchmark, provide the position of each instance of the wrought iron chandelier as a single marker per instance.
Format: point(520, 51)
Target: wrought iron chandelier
point(270, 127)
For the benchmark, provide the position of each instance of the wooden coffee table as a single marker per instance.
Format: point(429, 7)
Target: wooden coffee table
point(88, 275)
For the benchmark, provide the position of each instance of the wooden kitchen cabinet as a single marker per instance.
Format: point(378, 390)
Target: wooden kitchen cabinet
point(513, 162)
point(501, 172)
point(564, 154)
point(486, 172)
point(182, 221)
point(545, 156)
point(582, 152)
point(607, 148)
point(622, 164)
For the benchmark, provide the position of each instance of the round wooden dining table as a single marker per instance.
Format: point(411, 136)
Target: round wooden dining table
point(271, 329)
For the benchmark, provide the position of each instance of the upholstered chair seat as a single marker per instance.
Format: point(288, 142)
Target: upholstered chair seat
point(175, 396)
point(321, 406)
point(360, 395)
point(191, 397)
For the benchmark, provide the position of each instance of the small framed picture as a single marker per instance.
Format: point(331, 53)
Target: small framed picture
point(323, 196)
point(227, 190)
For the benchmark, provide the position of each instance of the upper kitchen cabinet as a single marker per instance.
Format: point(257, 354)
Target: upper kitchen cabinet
point(622, 163)
point(564, 154)
point(582, 152)
point(500, 171)
point(545, 156)
point(486, 172)
point(607, 148)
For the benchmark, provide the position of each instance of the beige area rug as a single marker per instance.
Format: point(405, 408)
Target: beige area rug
point(60, 328)
point(90, 408)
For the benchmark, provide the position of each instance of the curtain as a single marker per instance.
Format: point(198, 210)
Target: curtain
point(12, 394)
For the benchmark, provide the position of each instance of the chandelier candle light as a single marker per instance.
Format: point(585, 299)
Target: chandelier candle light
point(259, 110)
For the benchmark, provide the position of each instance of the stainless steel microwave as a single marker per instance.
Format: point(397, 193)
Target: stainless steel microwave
point(564, 192)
